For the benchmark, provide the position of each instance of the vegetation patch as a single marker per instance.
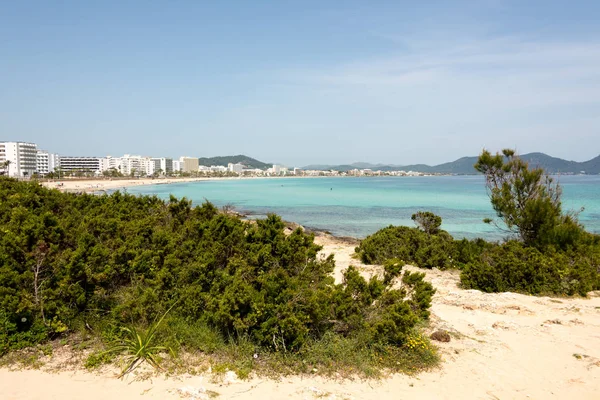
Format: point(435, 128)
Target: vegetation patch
point(551, 253)
point(547, 251)
point(440, 336)
point(246, 296)
point(425, 247)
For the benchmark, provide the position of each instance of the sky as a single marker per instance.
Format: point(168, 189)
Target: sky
point(302, 82)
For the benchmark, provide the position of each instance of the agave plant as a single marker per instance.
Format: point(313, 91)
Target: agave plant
point(139, 345)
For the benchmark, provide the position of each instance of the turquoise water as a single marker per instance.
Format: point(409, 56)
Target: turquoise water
point(360, 206)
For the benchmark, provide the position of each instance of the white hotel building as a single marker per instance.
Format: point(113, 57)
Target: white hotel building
point(46, 162)
point(22, 158)
point(138, 165)
point(237, 168)
point(81, 164)
point(164, 165)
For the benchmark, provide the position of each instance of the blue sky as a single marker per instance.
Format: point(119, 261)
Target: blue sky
point(301, 82)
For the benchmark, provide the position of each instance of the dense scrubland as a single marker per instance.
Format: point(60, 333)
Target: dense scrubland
point(143, 279)
point(109, 268)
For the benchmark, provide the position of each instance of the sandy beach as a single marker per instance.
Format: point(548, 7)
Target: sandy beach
point(504, 346)
point(98, 185)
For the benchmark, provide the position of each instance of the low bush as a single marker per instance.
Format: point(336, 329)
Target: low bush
point(426, 246)
point(518, 268)
point(467, 251)
point(566, 265)
point(407, 244)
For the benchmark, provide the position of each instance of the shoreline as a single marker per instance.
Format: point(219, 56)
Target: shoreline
point(102, 185)
point(92, 185)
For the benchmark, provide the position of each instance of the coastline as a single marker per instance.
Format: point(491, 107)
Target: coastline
point(87, 185)
point(100, 185)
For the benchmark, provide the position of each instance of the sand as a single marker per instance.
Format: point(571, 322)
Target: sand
point(98, 185)
point(504, 346)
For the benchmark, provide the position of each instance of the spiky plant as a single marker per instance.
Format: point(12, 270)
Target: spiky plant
point(139, 346)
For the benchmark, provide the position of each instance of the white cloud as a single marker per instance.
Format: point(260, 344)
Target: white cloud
point(518, 90)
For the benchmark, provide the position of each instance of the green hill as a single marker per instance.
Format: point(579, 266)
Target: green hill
point(249, 162)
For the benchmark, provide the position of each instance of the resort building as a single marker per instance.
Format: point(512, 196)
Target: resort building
point(136, 165)
point(176, 166)
point(46, 162)
point(277, 170)
point(189, 164)
point(111, 163)
point(132, 165)
point(18, 159)
point(81, 164)
point(237, 168)
point(164, 165)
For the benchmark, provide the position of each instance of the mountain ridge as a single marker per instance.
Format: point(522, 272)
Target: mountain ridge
point(464, 165)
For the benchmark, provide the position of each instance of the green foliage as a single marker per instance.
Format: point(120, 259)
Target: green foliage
point(140, 346)
point(96, 263)
point(408, 244)
point(516, 267)
point(18, 335)
point(428, 247)
point(554, 255)
point(350, 356)
point(96, 359)
point(382, 313)
point(527, 200)
point(427, 221)
point(468, 251)
point(247, 161)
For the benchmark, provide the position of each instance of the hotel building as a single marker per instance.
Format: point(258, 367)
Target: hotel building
point(21, 157)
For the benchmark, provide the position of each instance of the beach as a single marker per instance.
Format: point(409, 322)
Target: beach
point(503, 346)
point(98, 185)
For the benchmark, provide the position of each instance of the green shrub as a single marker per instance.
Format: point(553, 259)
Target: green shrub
point(408, 244)
point(103, 262)
point(516, 267)
point(427, 221)
point(385, 314)
point(467, 251)
point(18, 334)
point(554, 254)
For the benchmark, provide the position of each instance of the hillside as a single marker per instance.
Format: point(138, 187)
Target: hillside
point(249, 162)
point(464, 166)
point(323, 167)
point(592, 165)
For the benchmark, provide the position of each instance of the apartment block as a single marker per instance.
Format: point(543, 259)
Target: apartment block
point(237, 168)
point(81, 164)
point(189, 164)
point(21, 158)
point(164, 165)
point(46, 162)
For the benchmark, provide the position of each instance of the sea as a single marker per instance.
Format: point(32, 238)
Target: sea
point(359, 206)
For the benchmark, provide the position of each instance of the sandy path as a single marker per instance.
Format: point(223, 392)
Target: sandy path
point(509, 346)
